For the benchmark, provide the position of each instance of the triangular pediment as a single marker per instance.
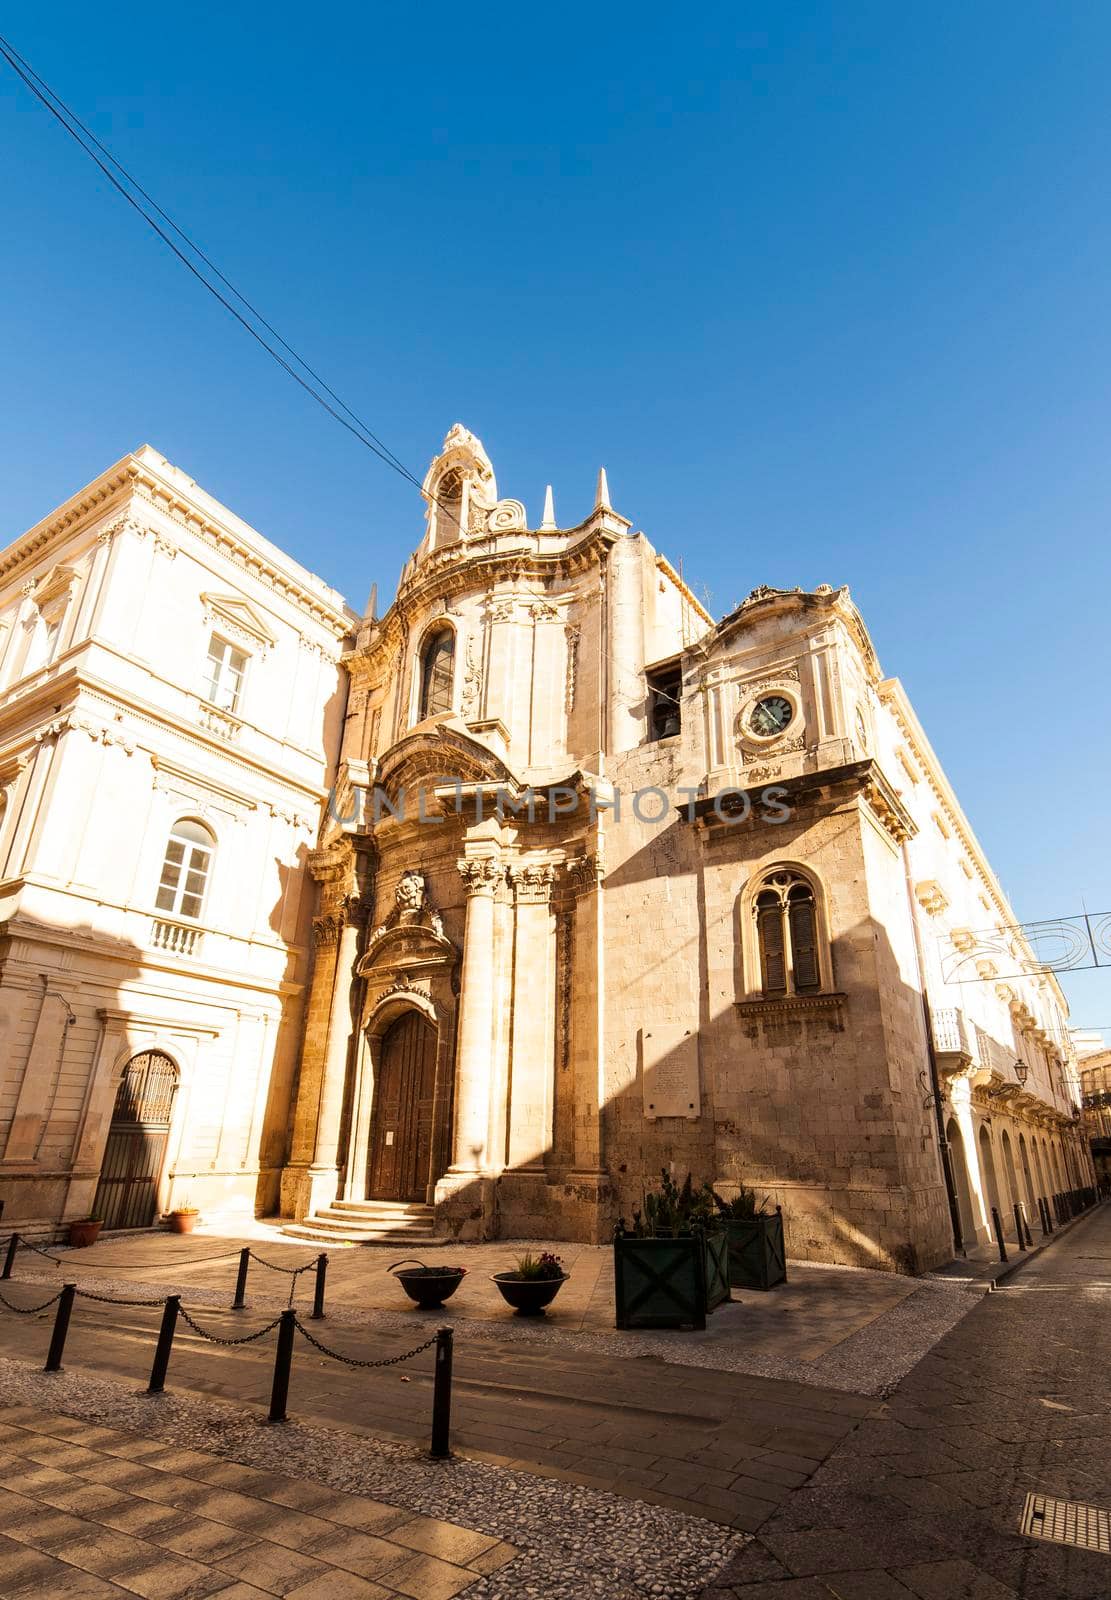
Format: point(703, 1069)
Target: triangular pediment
point(235, 616)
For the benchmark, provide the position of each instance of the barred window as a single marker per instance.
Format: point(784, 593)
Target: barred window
point(185, 870)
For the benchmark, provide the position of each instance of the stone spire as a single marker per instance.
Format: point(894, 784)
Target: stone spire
point(548, 521)
point(602, 497)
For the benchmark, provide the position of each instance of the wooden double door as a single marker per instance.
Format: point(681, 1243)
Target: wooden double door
point(402, 1113)
point(127, 1195)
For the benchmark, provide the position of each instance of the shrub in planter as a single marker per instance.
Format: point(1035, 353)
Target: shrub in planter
point(671, 1265)
point(533, 1284)
point(757, 1253)
point(84, 1230)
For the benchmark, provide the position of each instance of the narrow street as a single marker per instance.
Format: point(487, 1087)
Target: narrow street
point(924, 1500)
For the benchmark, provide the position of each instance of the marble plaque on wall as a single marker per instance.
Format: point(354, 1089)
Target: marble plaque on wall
point(669, 1072)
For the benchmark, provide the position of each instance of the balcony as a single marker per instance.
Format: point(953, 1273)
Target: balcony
point(221, 723)
point(951, 1041)
point(176, 938)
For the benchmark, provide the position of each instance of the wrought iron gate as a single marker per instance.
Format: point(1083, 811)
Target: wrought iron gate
point(127, 1194)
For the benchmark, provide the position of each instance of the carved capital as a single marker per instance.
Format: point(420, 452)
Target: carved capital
point(532, 883)
point(586, 872)
point(480, 874)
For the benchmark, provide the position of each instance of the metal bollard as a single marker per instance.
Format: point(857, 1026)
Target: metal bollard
point(997, 1224)
point(241, 1278)
point(1043, 1208)
point(1026, 1225)
point(61, 1328)
point(283, 1359)
point(165, 1344)
point(13, 1246)
point(1018, 1226)
point(441, 1396)
point(318, 1292)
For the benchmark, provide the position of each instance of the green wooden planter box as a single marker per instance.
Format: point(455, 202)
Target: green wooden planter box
point(670, 1283)
point(659, 1283)
point(757, 1254)
point(715, 1243)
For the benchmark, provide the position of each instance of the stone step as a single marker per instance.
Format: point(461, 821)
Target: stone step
point(382, 1208)
point(311, 1230)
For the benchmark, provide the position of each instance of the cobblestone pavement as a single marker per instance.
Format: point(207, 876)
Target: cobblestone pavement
point(924, 1499)
point(721, 1445)
point(92, 1513)
point(835, 1327)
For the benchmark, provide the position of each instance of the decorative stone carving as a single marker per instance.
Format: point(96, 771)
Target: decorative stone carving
point(586, 872)
point(97, 732)
point(573, 637)
point(931, 897)
point(409, 896)
point(472, 680)
point(508, 516)
point(532, 882)
point(480, 874)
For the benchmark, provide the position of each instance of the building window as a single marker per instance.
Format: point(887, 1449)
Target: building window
point(437, 674)
point(665, 692)
point(185, 870)
point(224, 674)
point(787, 935)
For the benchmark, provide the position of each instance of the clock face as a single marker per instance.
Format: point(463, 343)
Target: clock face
point(770, 715)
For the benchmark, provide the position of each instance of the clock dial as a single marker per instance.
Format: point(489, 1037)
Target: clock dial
point(771, 715)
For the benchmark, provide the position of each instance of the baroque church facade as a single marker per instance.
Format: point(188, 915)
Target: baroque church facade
point(538, 883)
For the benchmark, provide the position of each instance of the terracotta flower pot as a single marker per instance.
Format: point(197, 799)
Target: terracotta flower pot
point(85, 1231)
point(182, 1221)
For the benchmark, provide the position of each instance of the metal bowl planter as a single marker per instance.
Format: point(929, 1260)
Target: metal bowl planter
point(670, 1281)
point(428, 1286)
point(757, 1254)
point(528, 1296)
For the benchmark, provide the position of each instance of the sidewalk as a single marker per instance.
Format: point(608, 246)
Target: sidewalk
point(926, 1497)
point(98, 1513)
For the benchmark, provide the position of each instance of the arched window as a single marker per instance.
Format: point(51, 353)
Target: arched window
point(185, 870)
point(787, 935)
point(437, 674)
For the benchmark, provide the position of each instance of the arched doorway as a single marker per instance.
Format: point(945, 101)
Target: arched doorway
point(960, 1181)
point(987, 1171)
point(402, 1114)
point(1010, 1175)
point(1031, 1194)
point(127, 1194)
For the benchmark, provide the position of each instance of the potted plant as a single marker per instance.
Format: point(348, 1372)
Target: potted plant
point(428, 1286)
point(671, 1265)
point(533, 1284)
point(757, 1254)
point(183, 1219)
point(84, 1230)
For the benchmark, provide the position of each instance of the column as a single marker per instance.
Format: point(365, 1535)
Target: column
point(532, 1069)
point(588, 1014)
point(481, 876)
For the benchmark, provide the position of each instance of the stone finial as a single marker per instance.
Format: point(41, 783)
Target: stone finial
point(602, 494)
point(548, 521)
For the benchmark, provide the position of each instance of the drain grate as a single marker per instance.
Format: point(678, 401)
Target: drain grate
point(1067, 1522)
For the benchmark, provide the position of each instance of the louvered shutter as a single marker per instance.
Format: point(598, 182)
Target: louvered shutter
point(804, 940)
point(769, 927)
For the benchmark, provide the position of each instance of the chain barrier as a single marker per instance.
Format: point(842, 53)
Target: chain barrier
point(149, 1266)
point(111, 1300)
point(214, 1338)
point(352, 1361)
point(293, 1273)
point(29, 1311)
point(25, 1244)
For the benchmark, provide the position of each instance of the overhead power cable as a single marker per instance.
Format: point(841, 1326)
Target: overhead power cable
point(87, 141)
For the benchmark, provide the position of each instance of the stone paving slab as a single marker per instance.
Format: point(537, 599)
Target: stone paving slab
point(93, 1511)
point(695, 1440)
point(836, 1327)
point(924, 1499)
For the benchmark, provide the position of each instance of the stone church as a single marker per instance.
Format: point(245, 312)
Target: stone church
point(469, 918)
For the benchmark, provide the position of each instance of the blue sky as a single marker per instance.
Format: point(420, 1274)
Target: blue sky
point(826, 288)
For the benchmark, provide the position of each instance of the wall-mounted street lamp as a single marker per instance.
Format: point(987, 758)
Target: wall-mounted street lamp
point(1022, 1072)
